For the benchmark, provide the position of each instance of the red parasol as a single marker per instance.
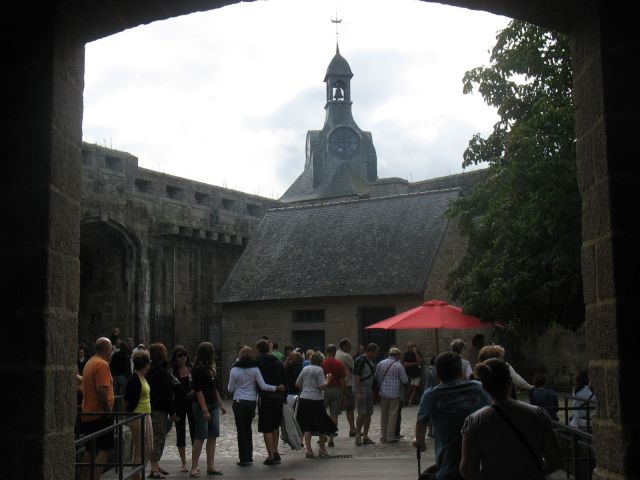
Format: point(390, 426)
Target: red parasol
point(432, 314)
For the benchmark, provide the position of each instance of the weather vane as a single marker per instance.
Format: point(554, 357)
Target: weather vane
point(337, 21)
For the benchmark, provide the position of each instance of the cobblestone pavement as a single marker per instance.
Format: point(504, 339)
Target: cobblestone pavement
point(227, 446)
point(395, 461)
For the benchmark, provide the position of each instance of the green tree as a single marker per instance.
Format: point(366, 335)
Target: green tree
point(522, 266)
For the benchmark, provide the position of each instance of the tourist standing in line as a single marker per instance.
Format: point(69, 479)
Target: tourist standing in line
point(307, 358)
point(82, 359)
point(458, 346)
point(292, 369)
point(312, 415)
point(162, 406)
point(270, 403)
point(584, 394)
point(544, 397)
point(477, 342)
point(391, 378)
point(120, 366)
point(276, 352)
point(98, 397)
point(206, 408)
point(137, 399)
point(509, 439)
point(243, 379)
point(364, 371)
point(333, 392)
point(496, 351)
point(183, 399)
point(412, 362)
point(348, 399)
point(446, 406)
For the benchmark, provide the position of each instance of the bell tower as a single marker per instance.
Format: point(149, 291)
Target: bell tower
point(340, 160)
point(338, 86)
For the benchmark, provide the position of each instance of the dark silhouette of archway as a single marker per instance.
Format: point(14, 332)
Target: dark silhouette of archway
point(43, 64)
point(109, 280)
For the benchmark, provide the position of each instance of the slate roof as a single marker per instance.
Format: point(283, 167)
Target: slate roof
point(465, 181)
point(383, 245)
point(338, 66)
point(344, 182)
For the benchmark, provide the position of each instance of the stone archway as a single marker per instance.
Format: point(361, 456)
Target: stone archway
point(43, 57)
point(109, 280)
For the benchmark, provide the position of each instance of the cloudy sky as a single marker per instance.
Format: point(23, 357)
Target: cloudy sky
point(226, 97)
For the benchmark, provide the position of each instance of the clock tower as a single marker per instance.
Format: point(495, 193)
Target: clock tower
point(340, 159)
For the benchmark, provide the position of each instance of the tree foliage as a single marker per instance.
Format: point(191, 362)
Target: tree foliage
point(522, 266)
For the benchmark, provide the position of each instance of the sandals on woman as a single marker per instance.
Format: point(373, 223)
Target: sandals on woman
point(310, 455)
point(323, 455)
point(156, 475)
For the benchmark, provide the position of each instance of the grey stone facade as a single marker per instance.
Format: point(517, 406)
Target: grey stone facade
point(155, 249)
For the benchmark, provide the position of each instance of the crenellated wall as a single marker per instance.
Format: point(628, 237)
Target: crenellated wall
point(155, 249)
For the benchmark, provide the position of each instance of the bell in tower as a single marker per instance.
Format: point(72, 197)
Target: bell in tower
point(338, 88)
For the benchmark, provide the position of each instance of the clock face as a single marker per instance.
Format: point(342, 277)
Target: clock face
point(344, 142)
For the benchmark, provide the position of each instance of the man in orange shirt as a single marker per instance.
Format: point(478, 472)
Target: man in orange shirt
point(98, 397)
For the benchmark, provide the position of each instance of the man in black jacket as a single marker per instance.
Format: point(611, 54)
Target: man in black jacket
point(270, 406)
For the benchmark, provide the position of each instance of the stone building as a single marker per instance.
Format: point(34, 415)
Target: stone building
point(155, 249)
point(350, 249)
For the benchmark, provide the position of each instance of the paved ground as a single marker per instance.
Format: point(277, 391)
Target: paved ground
point(380, 461)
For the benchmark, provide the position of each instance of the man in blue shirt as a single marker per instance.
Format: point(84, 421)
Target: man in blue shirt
point(447, 405)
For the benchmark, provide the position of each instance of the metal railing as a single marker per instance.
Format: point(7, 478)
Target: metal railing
point(584, 406)
point(577, 451)
point(87, 443)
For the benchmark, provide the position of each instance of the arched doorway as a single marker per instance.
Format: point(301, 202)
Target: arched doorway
point(109, 281)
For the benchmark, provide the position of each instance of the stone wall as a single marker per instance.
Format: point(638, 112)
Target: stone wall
point(245, 323)
point(156, 249)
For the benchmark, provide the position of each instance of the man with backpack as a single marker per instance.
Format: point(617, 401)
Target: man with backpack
point(364, 371)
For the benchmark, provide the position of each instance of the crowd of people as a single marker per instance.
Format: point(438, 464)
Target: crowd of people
point(467, 405)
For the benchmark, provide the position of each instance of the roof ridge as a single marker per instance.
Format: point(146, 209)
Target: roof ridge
point(363, 200)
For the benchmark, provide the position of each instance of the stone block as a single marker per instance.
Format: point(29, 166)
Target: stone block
point(584, 156)
point(596, 204)
point(606, 287)
point(589, 282)
point(601, 331)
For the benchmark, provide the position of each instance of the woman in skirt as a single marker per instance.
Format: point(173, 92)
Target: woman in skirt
point(312, 416)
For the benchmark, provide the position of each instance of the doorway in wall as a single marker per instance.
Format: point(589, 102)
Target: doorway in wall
point(385, 339)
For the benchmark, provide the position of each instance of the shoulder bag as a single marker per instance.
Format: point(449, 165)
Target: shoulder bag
point(539, 461)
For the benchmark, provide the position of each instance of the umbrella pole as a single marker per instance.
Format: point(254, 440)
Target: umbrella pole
point(437, 343)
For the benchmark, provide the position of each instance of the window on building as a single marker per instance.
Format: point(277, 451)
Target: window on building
point(174, 193)
point(228, 204)
point(308, 316)
point(308, 339)
point(143, 186)
point(114, 163)
point(253, 210)
point(87, 159)
point(202, 198)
